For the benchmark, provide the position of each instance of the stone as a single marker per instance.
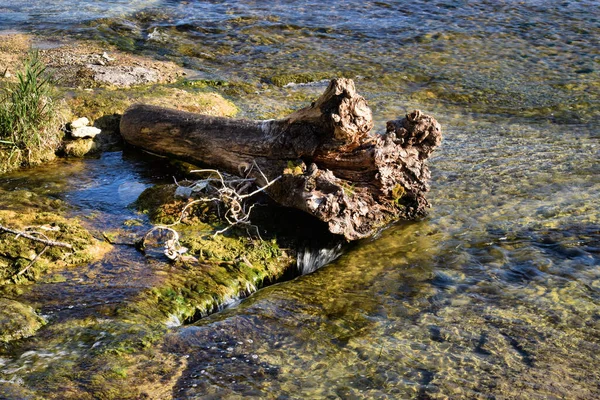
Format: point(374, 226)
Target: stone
point(80, 123)
point(183, 191)
point(85, 132)
point(123, 76)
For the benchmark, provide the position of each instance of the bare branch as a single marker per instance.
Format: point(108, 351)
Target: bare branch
point(26, 235)
point(21, 272)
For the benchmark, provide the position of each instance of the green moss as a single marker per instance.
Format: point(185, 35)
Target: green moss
point(21, 209)
point(233, 88)
point(302, 77)
point(80, 147)
point(123, 361)
point(133, 222)
point(103, 107)
point(228, 267)
point(17, 320)
point(160, 204)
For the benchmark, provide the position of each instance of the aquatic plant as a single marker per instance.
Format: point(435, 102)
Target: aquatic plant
point(29, 124)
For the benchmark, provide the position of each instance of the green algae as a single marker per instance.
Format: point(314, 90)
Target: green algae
point(122, 361)
point(228, 269)
point(302, 77)
point(17, 320)
point(228, 266)
point(22, 210)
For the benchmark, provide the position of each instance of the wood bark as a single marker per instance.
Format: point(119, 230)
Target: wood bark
point(331, 165)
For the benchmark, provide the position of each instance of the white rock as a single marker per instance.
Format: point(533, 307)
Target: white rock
point(85, 132)
point(80, 123)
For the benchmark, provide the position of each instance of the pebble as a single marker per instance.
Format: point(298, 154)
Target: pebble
point(80, 123)
point(85, 132)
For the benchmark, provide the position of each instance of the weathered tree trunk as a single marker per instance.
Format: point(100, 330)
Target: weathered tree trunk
point(331, 165)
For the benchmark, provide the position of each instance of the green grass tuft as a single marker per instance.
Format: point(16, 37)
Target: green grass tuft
point(29, 125)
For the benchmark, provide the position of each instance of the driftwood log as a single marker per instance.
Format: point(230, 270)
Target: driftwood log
point(331, 165)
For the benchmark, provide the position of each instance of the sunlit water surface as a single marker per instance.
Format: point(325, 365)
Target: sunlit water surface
point(497, 293)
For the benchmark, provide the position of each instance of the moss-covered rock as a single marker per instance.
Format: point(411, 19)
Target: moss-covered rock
point(79, 147)
point(228, 267)
point(17, 320)
point(104, 107)
point(302, 77)
point(20, 259)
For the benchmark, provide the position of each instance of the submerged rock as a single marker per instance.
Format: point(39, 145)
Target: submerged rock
point(17, 320)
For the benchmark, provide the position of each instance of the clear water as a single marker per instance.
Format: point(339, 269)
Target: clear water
point(497, 293)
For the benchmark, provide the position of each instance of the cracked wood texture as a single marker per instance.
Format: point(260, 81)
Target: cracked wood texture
point(332, 166)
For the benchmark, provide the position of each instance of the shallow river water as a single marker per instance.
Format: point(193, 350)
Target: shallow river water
point(496, 294)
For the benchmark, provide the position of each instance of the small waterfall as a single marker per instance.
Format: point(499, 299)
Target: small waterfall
point(311, 259)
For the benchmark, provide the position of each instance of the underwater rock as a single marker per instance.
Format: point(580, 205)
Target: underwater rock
point(17, 320)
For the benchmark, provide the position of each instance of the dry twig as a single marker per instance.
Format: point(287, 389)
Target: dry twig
point(230, 194)
point(26, 235)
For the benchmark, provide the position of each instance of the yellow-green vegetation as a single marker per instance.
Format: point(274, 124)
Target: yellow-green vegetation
point(302, 77)
point(161, 205)
point(26, 211)
point(228, 267)
point(233, 88)
point(106, 102)
point(294, 168)
point(349, 188)
point(123, 361)
point(30, 119)
point(17, 320)
point(397, 192)
point(80, 147)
